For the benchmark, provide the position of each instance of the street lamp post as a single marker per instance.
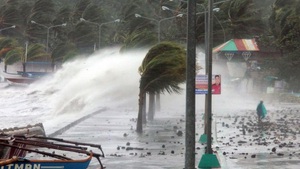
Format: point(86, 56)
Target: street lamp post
point(205, 19)
point(209, 160)
point(11, 27)
point(158, 22)
point(99, 27)
point(48, 30)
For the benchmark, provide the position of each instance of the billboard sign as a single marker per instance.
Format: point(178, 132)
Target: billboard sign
point(202, 84)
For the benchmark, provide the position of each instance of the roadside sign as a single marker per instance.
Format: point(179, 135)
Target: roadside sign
point(202, 84)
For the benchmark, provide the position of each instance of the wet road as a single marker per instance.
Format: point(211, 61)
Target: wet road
point(162, 146)
point(275, 144)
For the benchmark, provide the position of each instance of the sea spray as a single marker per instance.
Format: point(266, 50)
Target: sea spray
point(106, 78)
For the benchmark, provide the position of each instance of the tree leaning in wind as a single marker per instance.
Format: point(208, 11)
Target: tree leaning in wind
point(12, 52)
point(163, 69)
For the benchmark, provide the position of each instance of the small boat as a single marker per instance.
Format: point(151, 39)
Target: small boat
point(34, 71)
point(48, 153)
point(24, 78)
point(9, 152)
point(17, 78)
point(23, 163)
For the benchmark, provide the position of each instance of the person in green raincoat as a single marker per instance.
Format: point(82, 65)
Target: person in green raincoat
point(261, 111)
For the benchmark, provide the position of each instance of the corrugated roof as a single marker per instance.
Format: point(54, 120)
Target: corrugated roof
point(234, 45)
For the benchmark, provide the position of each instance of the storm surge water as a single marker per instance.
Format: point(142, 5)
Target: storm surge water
point(104, 79)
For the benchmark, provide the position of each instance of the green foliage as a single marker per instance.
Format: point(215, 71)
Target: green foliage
point(94, 14)
point(10, 14)
point(80, 8)
point(137, 40)
point(42, 11)
point(70, 55)
point(12, 56)
point(85, 34)
point(245, 20)
point(285, 24)
point(289, 67)
point(63, 51)
point(35, 51)
point(11, 52)
point(6, 44)
point(163, 68)
point(64, 15)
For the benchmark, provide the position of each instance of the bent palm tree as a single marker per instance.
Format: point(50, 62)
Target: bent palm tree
point(163, 69)
point(11, 52)
point(6, 45)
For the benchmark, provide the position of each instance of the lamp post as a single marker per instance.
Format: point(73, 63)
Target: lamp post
point(11, 27)
point(99, 27)
point(205, 13)
point(205, 18)
point(158, 22)
point(48, 30)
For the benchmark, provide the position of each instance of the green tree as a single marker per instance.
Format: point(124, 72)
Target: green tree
point(42, 12)
point(64, 51)
point(285, 28)
point(137, 40)
point(285, 24)
point(11, 52)
point(6, 45)
point(162, 70)
point(244, 19)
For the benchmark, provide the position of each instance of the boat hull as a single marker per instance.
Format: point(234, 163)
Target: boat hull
point(26, 78)
point(20, 80)
point(47, 164)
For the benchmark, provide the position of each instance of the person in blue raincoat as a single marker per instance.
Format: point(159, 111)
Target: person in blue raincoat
point(261, 111)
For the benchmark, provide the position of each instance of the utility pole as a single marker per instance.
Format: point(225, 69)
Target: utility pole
point(190, 86)
point(209, 52)
point(209, 160)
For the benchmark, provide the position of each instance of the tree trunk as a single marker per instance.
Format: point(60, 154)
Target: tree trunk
point(144, 108)
point(157, 102)
point(151, 106)
point(5, 67)
point(52, 66)
point(24, 67)
point(139, 124)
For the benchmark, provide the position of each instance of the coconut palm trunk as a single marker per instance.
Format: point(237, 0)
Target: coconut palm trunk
point(151, 110)
point(157, 102)
point(24, 67)
point(139, 124)
point(144, 108)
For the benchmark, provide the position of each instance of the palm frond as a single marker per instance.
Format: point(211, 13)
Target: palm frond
point(163, 68)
